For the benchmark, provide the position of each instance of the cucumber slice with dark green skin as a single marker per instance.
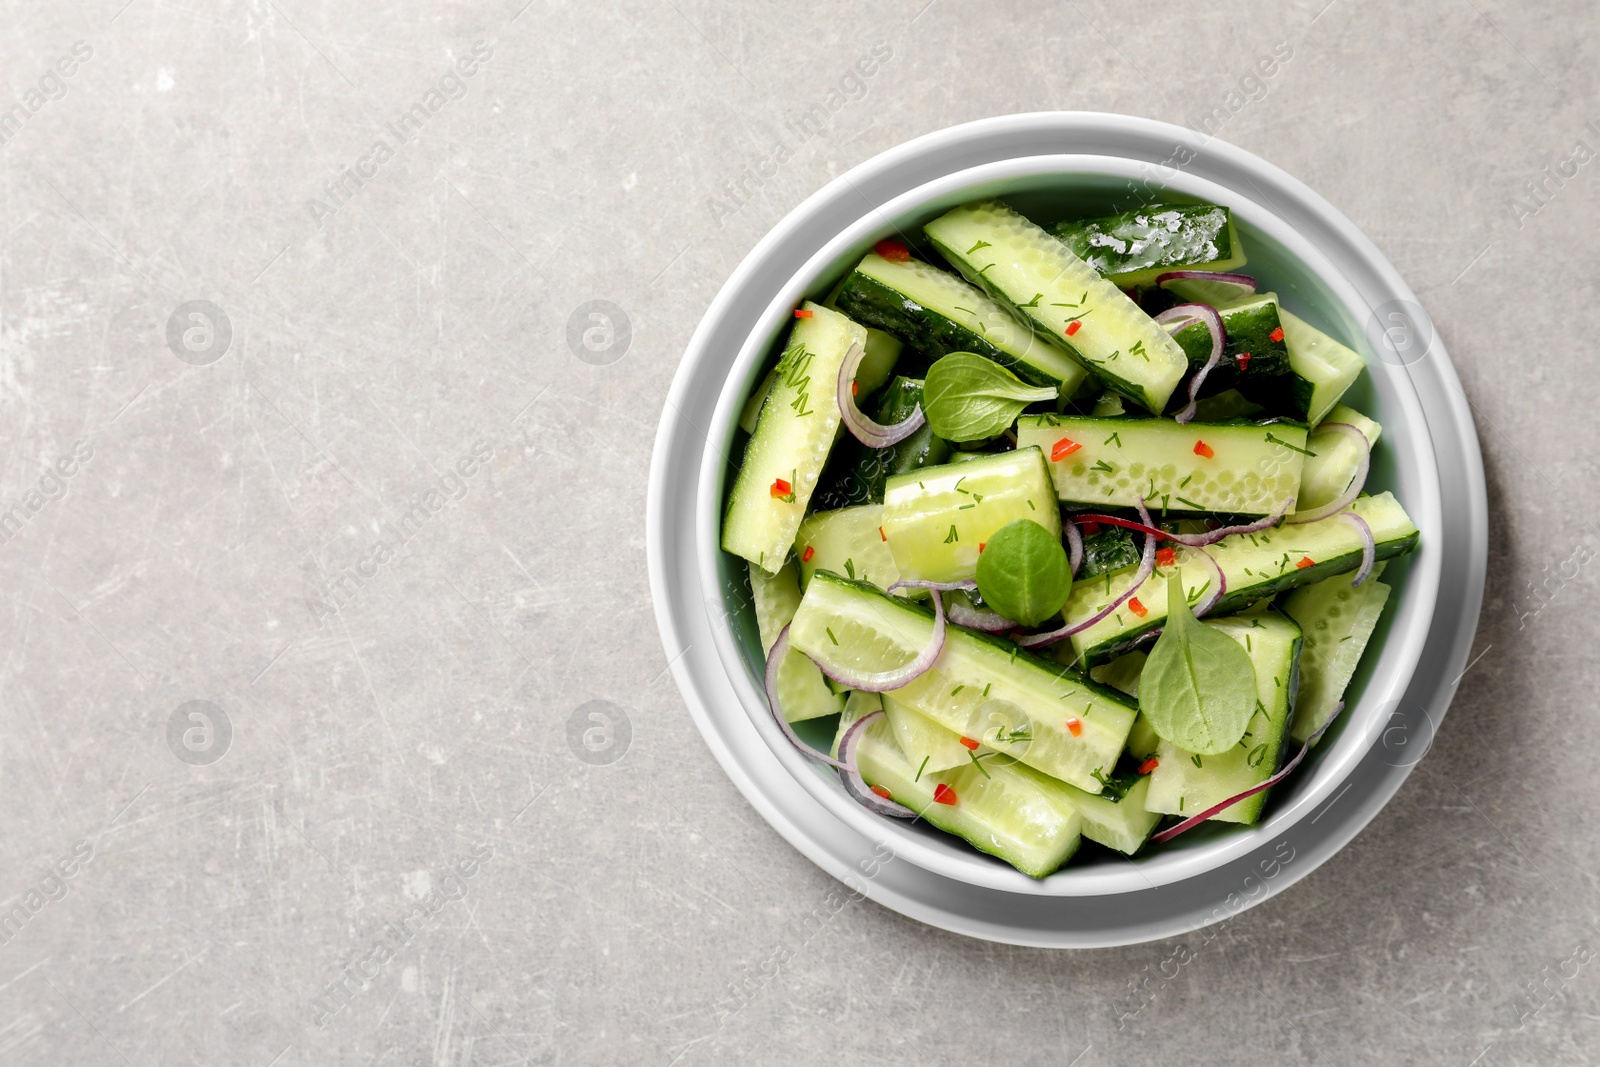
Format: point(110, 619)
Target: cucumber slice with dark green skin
point(803, 692)
point(1185, 783)
point(1112, 549)
point(981, 687)
point(849, 541)
point(938, 518)
point(999, 807)
point(1117, 818)
point(1226, 405)
point(1338, 621)
point(1257, 566)
point(1066, 300)
point(1136, 247)
point(936, 313)
point(856, 472)
point(1253, 351)
point(794, 434)
point(1210, 468)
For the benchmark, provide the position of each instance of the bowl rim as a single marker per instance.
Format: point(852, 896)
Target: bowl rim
point(948, 856)
point(1122, 918)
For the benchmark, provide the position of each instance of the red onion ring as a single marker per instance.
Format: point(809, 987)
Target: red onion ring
point(780, 649)
point(1244, 281)
point(1369, 546)
point(1147, 565)
point(870, 433)
point(1210, 537)
point(1195, 820)
point(1180, 315)
point(1357, 483)
point(854, 784)
point(1219, 590)
point(1074, 546)
point(990, 622)
point(883, 681)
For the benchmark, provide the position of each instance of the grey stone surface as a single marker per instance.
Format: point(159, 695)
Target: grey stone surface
point(406, 691)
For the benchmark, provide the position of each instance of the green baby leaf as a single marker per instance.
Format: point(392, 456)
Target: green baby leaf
point(1198, 687)
point(1023, 573)
point(971, 398)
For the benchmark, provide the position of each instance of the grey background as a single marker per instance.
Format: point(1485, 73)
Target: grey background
point(403, 718)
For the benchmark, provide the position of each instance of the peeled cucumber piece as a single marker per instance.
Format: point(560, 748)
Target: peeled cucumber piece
point(1328, 473)
point(803, 691)
point(857, 706)
point(795, 431)
point(1338, 621)
point(848, 541)
point(925, 744)
point(1002, 807)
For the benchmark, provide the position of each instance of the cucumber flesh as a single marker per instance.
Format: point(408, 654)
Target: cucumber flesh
point(1136, 247)
point(937, 313)
point(1001, 808)
point(1257, 566)
point(793, 436)
point(803, 692)
point(1228, 404)
point(1338, 622)
point(1184, 783)
point(1329, 473)
point(1123, 673)
point(848, 541)
point(936, 518)
point(857, 706)
point(1117, 818)
point(1194, 468)
point(980, 687)
point(1037, 276)
point(925, 744)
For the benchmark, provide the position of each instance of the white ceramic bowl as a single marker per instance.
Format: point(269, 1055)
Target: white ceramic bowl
point(1324, 270)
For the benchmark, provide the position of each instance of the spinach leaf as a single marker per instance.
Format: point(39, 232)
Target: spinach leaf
point(1198, 688)
point(971, 398)
point(1023, 573)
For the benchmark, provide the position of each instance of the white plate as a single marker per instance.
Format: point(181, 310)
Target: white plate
point(1325, 270)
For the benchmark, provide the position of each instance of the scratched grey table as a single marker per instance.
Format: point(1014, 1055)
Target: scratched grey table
point(334, 727)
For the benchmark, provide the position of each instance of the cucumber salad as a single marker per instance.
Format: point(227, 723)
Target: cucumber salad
point(1065, 527)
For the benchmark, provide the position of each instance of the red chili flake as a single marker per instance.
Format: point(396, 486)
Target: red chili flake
point(881, 535)
point(943, 794)
point(969, 742)
point(1243, 360)
point(1166, 557)
point(801, 313)
point(1276, 335)
point(1149, 765)
point(855, 387)
point(1063, 448)
point(1305, 561)
point(781, 488)
point(1073, 327)
point(1138, 608)
point(882, 792)
point(805, 557)
point(1074, 726)
point(981, 544)
point(1203, 449)
point(1089, 529)
point(893, 251)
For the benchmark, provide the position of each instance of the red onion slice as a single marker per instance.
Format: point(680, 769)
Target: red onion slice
point(883, 681)
point(870, 433)
point(1195, 820)
point(1369, 546)
point(1180, 315)
point(1210, 537)
point(780, 649)
point(855, 785)
point(1219, 586)
point(1357, 483)
point(990, 622)
point(1074, 546)
point(1147, 565)
point(1244, 281)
